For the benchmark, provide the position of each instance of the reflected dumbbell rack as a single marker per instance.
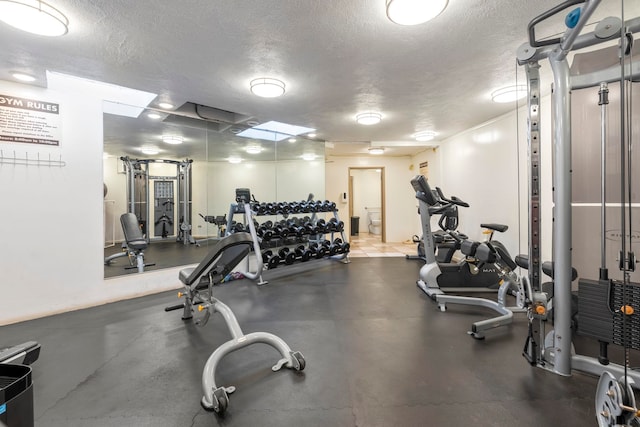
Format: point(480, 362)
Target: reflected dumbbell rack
point(289, 233)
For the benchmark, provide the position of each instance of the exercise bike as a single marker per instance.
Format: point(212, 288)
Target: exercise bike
point(464, 276)
point(447, 239)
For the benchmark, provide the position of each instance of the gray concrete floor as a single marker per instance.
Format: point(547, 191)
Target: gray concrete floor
point(378, 352)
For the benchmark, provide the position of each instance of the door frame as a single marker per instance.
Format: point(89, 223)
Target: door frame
point(383, 213)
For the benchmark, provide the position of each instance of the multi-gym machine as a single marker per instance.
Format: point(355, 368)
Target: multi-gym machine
point(552, 349)
point(492, 268)
point(166, 206)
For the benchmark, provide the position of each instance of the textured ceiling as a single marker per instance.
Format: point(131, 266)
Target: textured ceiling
point(337, 57)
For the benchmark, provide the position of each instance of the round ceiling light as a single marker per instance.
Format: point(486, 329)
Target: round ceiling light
point(308, 157)
point(376, 150)
point(266, 87)
point(253, 149)
point(369, 118)
point(23, 77)
point(172, 139)
point(234, 160)
point(34, 16)
point(149, 150)
point(427, 135)
point(413, 12)
point(509, 94)
point(154, 116)
point(165, 105)
point(292, 140)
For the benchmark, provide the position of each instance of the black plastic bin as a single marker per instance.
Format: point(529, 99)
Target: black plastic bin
point(355, 225)
point(16, 396)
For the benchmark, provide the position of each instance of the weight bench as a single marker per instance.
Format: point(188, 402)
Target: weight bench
point(198, 292)
point(23, 354)
point(134, 243)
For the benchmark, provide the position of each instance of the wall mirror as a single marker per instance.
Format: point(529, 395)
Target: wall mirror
point(178, 176)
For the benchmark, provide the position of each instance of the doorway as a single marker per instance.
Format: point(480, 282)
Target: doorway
point(366, 189)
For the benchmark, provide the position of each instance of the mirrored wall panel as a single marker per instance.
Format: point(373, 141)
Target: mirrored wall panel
point(170, 183)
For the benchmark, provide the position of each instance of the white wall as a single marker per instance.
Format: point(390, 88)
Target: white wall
point(52, 221)
point(487, 166)
point(399, 197)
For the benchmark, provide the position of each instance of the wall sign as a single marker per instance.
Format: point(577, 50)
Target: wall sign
point(29, 121)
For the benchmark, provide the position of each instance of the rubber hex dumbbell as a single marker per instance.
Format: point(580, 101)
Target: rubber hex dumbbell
point(335, 247)
point(270, 259)
point(303, 254)
point(286, 255)
point(322, 226)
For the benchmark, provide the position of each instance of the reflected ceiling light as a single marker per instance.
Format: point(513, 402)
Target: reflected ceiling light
point(253, 149)
point(165, 105)
point(413, 12)
point(311, 135)
point(149, 150)
point(376, 150)
point(154, 116)
point(369, 118)
point(509, 94)
point(308, 157)
point(427, 135)
point(172, 139)
point(292, 140)
point(34, 16)
point(23, 77)
point(267, 87)
point(234, 160)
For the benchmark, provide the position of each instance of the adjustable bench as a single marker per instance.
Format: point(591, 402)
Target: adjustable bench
point(134, 243)
point(198, 292)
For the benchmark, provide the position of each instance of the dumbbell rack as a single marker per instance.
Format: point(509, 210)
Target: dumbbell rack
point(312, 245)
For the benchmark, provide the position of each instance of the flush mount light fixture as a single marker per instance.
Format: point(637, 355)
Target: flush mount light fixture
point(376, 150)
point(267, 87)
point(154, 116)
point(149, 150)
point(172, 139)
point(34, 16)
point(427, 135)
point(292, 140)
point(509, 94)
point(413, 12)
point(368, 118)
point(311, 135)
point(253, 149)
point(165, 105)
point(23, 77)
point(308, 157)
point(234, 160)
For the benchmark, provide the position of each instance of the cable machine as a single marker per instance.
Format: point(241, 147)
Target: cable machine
point(165, 204)
point(552, 350)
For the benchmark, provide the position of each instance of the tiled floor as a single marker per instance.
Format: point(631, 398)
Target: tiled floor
point(370, 245)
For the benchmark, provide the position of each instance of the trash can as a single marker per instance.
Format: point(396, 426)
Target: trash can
point(16, 396)
point(355, 225)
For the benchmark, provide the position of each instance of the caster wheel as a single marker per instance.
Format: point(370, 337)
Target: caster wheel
point(301, 363)
point(442, 307)
point(220, 401)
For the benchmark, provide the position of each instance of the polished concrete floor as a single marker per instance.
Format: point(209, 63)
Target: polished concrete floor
point(378, 352)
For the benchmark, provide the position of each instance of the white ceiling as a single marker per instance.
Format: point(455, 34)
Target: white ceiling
point(337, 58)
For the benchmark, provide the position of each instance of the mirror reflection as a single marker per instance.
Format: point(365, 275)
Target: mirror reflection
point(176, 178)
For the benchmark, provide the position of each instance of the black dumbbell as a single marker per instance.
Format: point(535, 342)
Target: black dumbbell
point(286, 255)
point(303, 254)
point(265, 233)
point(322, 225)
point(269, 258)
point(346, 247)
point(335, 247)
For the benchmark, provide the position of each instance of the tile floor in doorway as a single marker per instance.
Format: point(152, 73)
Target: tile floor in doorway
point(370, 245)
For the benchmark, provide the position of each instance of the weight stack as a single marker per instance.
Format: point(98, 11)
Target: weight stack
point(599, 308)
point(630, 323)
point(596, 320)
